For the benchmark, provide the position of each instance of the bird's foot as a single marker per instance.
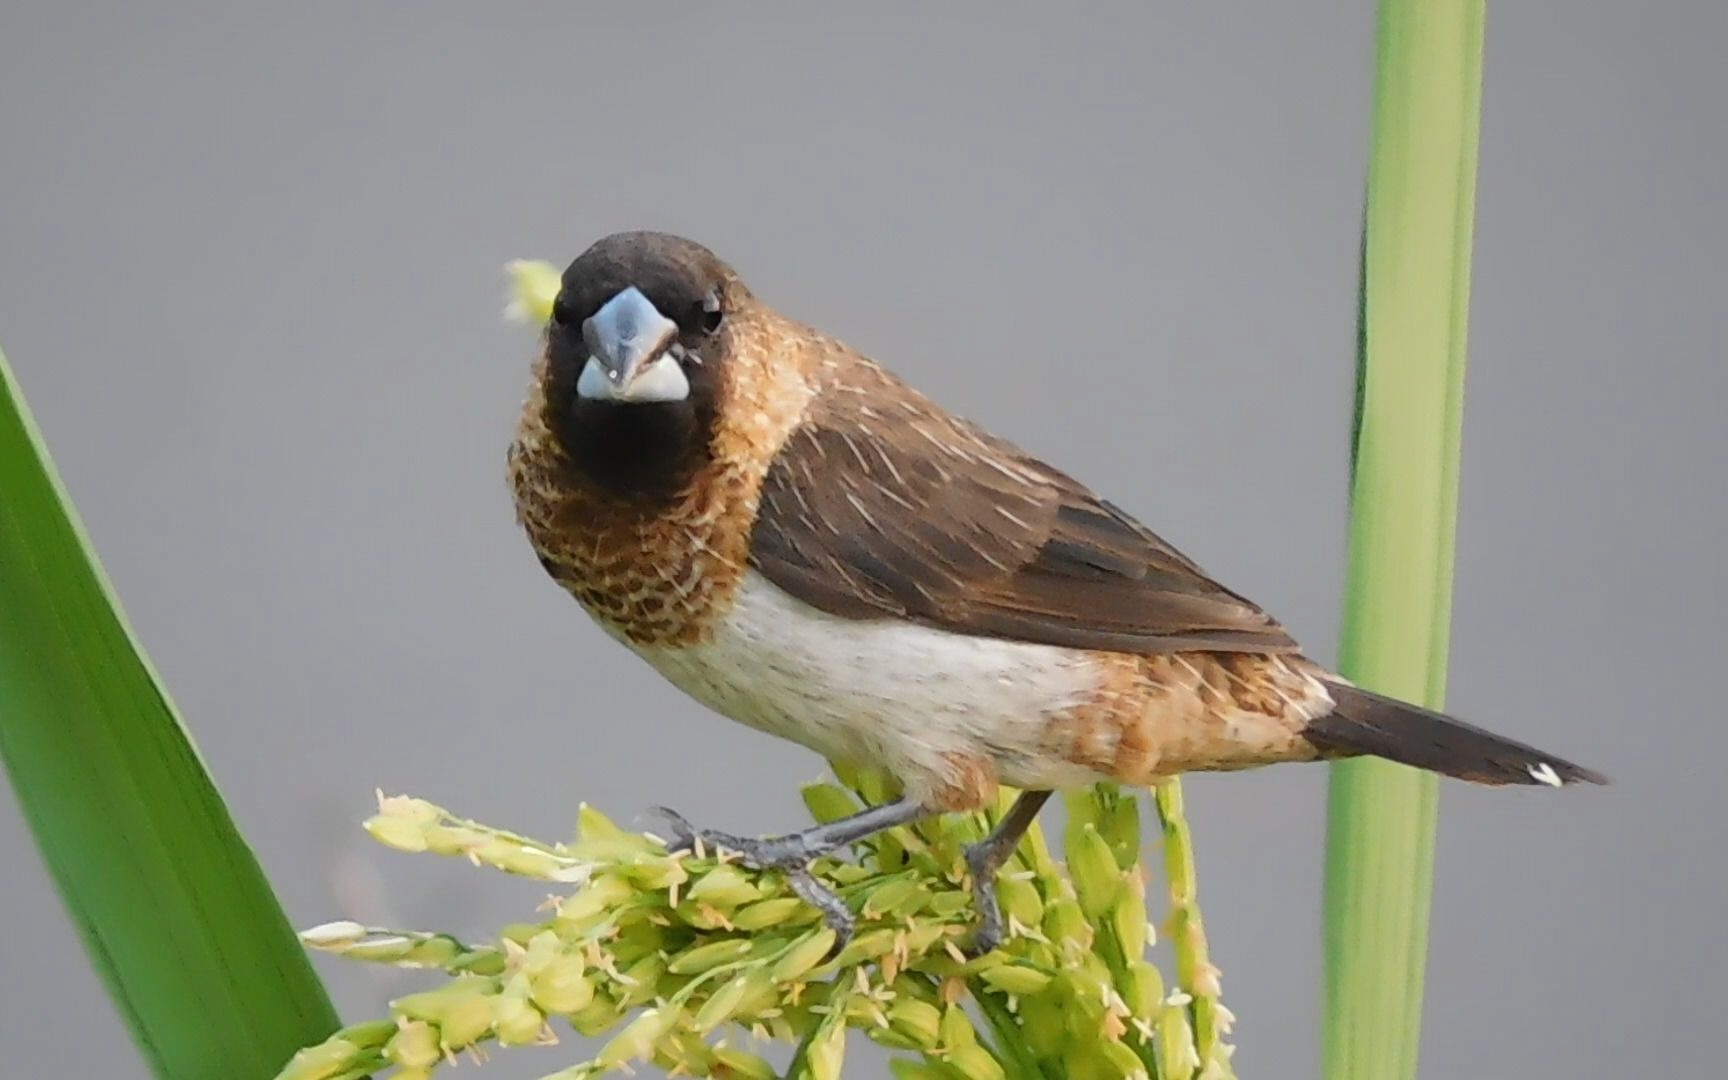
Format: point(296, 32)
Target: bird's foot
point(835, 914)
point(983, 860)
point(791, 854)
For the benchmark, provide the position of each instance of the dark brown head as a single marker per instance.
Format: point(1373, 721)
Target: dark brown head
point(636, 354)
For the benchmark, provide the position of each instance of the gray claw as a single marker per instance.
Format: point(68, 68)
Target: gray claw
point(835, 913)
point(683, 834)
point(790, 854)
point(686, 835)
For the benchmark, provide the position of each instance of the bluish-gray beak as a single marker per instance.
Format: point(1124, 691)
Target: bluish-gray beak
point(625, 335)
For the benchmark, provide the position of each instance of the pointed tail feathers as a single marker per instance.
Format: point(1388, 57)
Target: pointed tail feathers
point(1367, 723)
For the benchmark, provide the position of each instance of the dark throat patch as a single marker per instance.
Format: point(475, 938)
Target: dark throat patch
point(642, 451)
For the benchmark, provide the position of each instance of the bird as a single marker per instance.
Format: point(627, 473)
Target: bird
point(802, 542)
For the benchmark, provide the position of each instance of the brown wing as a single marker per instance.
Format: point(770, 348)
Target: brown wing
point(882, 504)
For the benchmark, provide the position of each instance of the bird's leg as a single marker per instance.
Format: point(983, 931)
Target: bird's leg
point(803, 847)
point(986, 857)
point(794, 852)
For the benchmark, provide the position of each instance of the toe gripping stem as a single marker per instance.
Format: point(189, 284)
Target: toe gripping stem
point(794, 852)
point(986, 857)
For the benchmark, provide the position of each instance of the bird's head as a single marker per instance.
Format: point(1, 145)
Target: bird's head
point(636, 356)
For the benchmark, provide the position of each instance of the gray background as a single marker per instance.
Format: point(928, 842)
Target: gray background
point(249, 276)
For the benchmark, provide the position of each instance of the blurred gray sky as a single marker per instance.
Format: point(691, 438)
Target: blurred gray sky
point(249, 276)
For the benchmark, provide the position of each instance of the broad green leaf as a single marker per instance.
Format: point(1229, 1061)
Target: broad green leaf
point(176, 915)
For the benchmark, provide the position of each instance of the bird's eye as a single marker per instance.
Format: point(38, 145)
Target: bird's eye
point(712, 316)
point(563, 311)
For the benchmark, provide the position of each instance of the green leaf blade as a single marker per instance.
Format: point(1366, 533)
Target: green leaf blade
point(173, 908)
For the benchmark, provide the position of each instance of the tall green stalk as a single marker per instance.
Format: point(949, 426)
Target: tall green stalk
point(1415, 304)
point(176, 915)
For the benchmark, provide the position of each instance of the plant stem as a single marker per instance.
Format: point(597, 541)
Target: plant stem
point(1415, 302)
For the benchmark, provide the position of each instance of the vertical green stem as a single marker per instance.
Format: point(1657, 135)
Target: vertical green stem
point(1415, 293)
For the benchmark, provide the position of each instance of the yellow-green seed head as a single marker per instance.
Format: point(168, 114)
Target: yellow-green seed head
point(636, 1042)
point(919, 1021)
point(514, 1018)
point(597, 898)
point(735, 1064)
point(395, 832)
point(726, 887)
point(1128, 917)
point(827, 1051)
point(562, 985)
point(896, 897)
point(525, 860)
point(1122, 1061)
point(722, 1005)
point(976, 1063)
point(1143, 989)
point(829, 802)
point(1020, 900)
point(653, 871)
point(871, 945)
point(415, 1045)
point(804, 956)
point(1066, 926)
point(701, 944)
point(1097, 878)
point(779, 911)
point(597, 1016)
point(466, 1021)
point(1016, 979)
point(333, 935)
point(330, 1058)
point(956, 1029)
point(1120, 826)
point(1176, 1056)
point(712, 955)
point(433, 1006)
point(1043, 1025)
point(533, 287)
point(642, 979)
point(925, 936)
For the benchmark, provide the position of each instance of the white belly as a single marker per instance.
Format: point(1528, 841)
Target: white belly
point(886, 692)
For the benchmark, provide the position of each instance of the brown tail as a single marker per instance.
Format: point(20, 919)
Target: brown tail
point(1367, 723)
